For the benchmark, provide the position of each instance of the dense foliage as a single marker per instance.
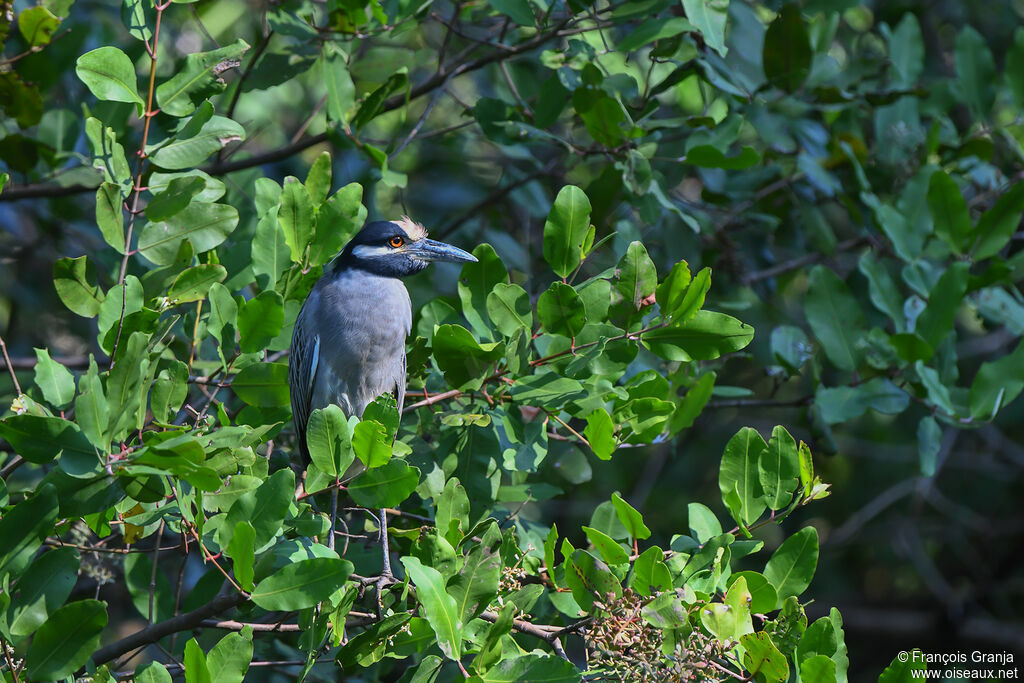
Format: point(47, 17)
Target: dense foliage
point(570, 395)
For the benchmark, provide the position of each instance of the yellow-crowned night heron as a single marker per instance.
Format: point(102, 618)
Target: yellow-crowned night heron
point(348, 346)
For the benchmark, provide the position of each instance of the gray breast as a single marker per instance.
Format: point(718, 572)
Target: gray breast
point(362, 321)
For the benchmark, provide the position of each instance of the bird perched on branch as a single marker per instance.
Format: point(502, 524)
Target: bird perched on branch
point(348, 346)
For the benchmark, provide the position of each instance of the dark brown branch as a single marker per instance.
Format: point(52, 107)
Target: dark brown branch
point(154, 633)
point(801, 261)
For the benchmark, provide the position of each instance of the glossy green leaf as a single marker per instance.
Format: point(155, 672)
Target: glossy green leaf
point(611, 552)
point(792, 565)
point(194, 143)
point(532, 667)
point(242, 551)
point(42, 590)
point(110, 215)
point(475, 284)
point(37, 25)
point(763, 597)
point(590, 580)
point(835, 317)
point(194, 283)
point(54, 380)
point(565, 230)
point(936, 320)
point(729, 619)
point(710, 17)
point(196, 668)
point(229, 659)
point(560, 310)
point(341, 92)
point(302, 584)
point(636, 276)
point(949, 212)
point(705, 336)
point(205, 226)
point(778, 469)
point(371, 443)
point(198, 79)
point(264, 508)
point(296, 217)
point(787, 49)
point(632, 520)
point(40, 439)
point(600, 433)
point(762, 659)
point(385, 486)
point(508, 307)
point(439, 607)
point(904, 669)
point(741, 469)
point(74, 279)
point(840, 404)
point(329, 439)
point(259, 321)
point(263, 384)
point(109, 75)
point(997, 225)
point(175, 196)
point(463, 359)
point(66, 640)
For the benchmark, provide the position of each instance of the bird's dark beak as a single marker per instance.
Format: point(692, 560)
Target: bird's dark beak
point(431, 250)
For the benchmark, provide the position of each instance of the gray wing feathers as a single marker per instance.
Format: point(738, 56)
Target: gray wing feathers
point(302, 366)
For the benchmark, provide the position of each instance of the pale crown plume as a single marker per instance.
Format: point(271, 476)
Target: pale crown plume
point(414, 230)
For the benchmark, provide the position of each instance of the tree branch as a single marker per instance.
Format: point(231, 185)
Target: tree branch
point(154, 633)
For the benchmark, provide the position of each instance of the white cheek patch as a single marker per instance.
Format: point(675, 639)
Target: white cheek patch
point(366, 251)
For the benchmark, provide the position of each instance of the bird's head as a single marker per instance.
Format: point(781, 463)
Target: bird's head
point(396, 249)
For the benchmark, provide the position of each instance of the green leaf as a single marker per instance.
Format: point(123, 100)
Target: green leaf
point(476, 282)
point(23, 529)
point(936, 320)
point(141, 582)
point(92, 411)
point(882, 289)
point(611, 552)
point(636, 276)
point(329, 439)
point(452, 516)
point(763, 597)
point(198, 79)
point(296, 217)
point(654, 29)
point(176, 195)
point(740, 470)
point(42, 590)
point(532, 667)
point(692, 404)
point(997, 383)
point(560, 310)
point(835, 318)
point(709, 16)
point(651, 575)
point(840, 404)
point(905, 669)
point(976, 72)
point(949, 211)
point(729, 619)
point(565, 230)
point(600, 432)
point(679, 296)
point(263, 384)
point(787, 50)
point(590, 580)
point(205, 226)
point(779, 469)
point(1014, 71)
point(54, 380)
point(270, 252)
point(196, 669)
point(762, 659)
point(301, 584)
point(318, 179)
point(37, 25)
point(439, 607)
point(242, 551)
point(337, 220)
point(705, 336)
point(463, 359)
point(40, 439)
point(508, 307)
point(195, 141)
point(374, 102)
point(264, 508)
point(73, 279)
point(110, 216)
point(997, 225)
point(67, 639)
point(194, 283)
point(229, 659)
point(386, 486)
point(792, 565)
point(476, 584)
point(152, 672)
point(632, 520)
point(259, 321)
point(518, 11)
point(371, 443)
point(109, 75)
point(546, 390)
point(341, 93)
point(709, 156)
point(818, 669)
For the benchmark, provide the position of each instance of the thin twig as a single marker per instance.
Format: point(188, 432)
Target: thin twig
point(7, 361)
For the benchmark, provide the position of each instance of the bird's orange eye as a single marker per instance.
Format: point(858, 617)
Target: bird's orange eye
point(396, 241)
